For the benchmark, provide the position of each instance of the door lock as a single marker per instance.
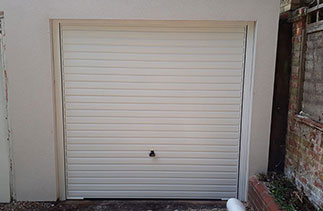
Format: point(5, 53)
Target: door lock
point(152, 153)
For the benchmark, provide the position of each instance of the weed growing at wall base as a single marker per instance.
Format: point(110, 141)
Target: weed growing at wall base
point(285, 193)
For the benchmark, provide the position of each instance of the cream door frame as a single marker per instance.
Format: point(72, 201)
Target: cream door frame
point(246, 101)
point(5, 171)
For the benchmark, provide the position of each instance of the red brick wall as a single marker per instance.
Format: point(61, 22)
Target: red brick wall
point(258, 196)
point(304, 145)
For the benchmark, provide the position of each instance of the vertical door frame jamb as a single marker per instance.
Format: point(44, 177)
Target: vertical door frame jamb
point(246, 112)
point(60, 148)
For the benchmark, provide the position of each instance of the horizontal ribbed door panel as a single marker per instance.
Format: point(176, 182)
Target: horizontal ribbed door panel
point(177, 90)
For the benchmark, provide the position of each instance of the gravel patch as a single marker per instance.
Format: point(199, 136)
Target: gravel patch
point(115, 205)
point(13, 206)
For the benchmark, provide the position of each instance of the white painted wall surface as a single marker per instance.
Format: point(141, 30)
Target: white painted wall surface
point(29, 58)
point(4, 135)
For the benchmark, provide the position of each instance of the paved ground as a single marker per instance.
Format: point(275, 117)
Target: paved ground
point(116, 205)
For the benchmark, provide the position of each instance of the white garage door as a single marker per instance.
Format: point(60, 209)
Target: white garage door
point(176, 90)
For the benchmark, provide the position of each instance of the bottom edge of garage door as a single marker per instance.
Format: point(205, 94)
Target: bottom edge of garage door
point(151, 195)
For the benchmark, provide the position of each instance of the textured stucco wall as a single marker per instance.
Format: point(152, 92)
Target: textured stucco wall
point(31, 79)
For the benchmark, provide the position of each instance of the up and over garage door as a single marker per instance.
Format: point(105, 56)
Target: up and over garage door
point(152, 112)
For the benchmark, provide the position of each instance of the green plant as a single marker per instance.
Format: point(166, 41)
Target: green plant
point(285, 193)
